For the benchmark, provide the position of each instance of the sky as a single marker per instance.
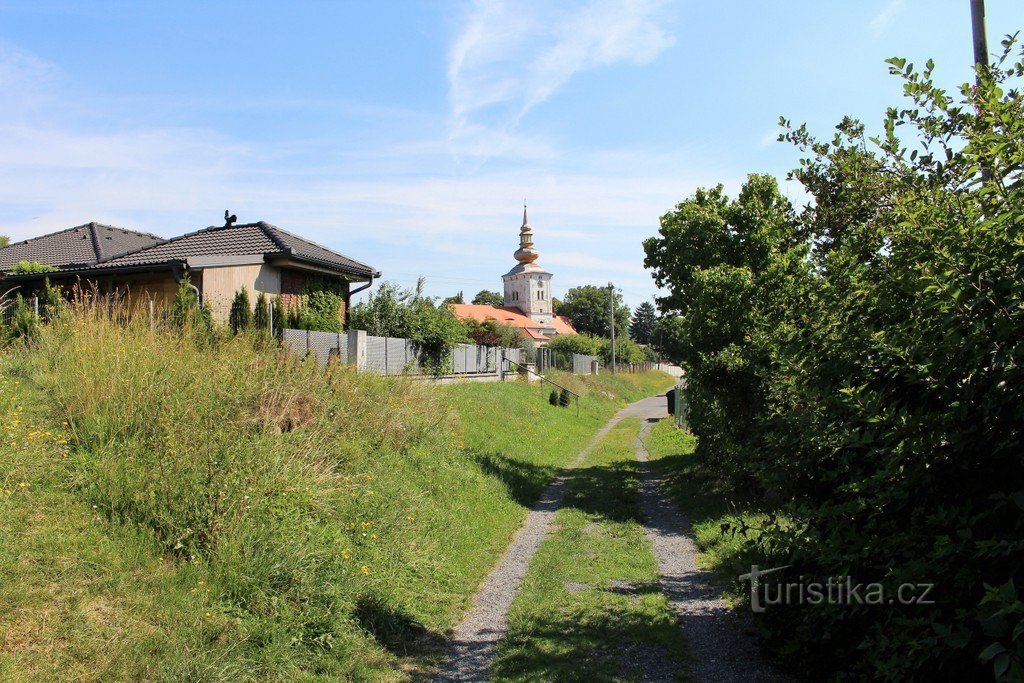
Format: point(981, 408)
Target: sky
point(407, 134)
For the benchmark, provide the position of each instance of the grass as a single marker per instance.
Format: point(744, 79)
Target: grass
point(216, 511)
point(724, 523)
point(591, 608)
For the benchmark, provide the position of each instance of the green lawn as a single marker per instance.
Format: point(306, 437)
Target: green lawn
point(591, 608)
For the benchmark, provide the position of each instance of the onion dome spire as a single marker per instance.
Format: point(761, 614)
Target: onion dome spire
point(525, 253)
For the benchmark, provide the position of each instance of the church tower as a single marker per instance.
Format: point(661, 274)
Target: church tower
point(527, 285)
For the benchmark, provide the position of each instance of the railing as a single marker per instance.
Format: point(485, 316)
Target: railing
point(525, 369)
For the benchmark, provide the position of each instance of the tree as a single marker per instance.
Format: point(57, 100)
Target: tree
point(4, 241)
point(280, 318)
point(457, 299)
point(260, 315)
point(588, 311)
point(492, 333)
point(645, 318)
point(488, 298)
point(854, 366)
point(394, 312)
point(240, 315)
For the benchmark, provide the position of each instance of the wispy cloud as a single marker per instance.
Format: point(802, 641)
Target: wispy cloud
point(885, 18)
point(512, 56)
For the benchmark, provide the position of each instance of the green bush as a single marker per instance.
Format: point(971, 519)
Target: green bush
point(240, 315)
point(858, 362)
point(261, 315)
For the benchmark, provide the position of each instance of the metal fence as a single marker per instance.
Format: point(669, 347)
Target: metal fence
point(321, 345)
point(576, 363)
point(397, 356)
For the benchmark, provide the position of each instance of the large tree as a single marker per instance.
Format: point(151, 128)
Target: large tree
point(645, 319)
point(588, 310)
point(488, 298)
point(858, 366)
point(4, 241)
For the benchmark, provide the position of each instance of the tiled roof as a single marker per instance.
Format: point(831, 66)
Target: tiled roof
point(507, 315)
point(250, 239)
point(83, 245)
point(563, 326)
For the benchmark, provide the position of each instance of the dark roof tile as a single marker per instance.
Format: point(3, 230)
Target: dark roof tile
point(83, 245)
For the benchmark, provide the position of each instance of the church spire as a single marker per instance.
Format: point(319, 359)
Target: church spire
point(525, 253)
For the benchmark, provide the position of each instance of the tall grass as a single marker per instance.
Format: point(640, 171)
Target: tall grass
point(335, 523)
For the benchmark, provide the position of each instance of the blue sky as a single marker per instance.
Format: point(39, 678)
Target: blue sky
point(406, 134)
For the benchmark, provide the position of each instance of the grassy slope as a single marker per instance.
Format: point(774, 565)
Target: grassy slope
point(220, 514)
point(591, 608)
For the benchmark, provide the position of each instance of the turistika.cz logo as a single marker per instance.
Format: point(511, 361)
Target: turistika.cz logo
point(834, 591)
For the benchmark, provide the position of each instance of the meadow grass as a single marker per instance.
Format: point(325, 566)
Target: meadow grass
point(215, 510)
point(591, 607)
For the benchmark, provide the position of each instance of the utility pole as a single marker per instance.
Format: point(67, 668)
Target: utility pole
point(980, 58)
point(611, 312)
point(978, 29)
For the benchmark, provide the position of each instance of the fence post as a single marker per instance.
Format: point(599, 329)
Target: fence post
point(387, 370)
point(357, 349)
point(308, 344)
point(270, 316)
point(152, 317)
point(35, 306)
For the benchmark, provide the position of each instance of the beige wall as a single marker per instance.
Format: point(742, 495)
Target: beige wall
point(221, 284)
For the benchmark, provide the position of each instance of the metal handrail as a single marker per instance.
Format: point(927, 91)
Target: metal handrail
point(545, 379)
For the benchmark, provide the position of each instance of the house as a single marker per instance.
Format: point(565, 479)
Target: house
point(527, 303)
point(82, 245)
point(218, 261)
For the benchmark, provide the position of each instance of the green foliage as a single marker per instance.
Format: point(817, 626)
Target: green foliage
point(553, 397)
point(488, 298)
point(186, 313)
point(321, 310)
point(493, 333)
point(860, 362)
point(457, 299)
point(393, 312)
point(583, 344)
point(261, 315)
point(24, 323)
point(240, 315)
point(280, 318)
point(626, 350)
point(588, 310)
point(26, 267)
point(645, 320)
point(4, 241)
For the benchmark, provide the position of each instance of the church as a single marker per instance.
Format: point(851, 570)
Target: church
point(527, 302)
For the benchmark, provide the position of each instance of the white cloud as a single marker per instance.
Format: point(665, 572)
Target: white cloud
point(885, 18)
point(511, 56)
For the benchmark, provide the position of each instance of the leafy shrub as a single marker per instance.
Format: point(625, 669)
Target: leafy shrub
point(553, 397)
point(858, 362)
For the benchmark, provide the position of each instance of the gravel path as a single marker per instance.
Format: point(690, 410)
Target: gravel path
point(721, 639)
point(474, 641)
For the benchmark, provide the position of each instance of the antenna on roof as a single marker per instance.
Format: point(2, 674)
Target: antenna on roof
point(229, 218)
